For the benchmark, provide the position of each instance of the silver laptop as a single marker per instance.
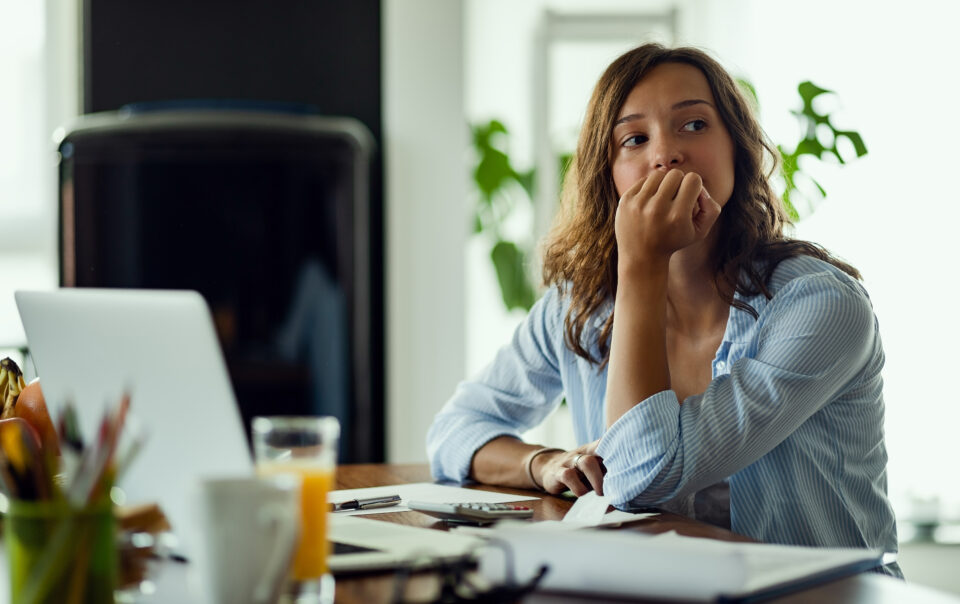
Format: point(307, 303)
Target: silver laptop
point(91, 345)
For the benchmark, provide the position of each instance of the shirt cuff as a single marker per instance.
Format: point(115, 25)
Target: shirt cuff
point(635, 448)
point(452, 461)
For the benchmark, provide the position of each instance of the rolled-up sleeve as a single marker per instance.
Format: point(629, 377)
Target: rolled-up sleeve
point(813, 341)
point(511, 395)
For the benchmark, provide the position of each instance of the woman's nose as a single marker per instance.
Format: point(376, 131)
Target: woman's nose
point(666, 156)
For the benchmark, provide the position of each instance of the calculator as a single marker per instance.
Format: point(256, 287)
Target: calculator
point(477, 513)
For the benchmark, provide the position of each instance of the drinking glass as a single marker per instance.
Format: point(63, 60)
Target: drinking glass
point(307, 448)
point(58, 553)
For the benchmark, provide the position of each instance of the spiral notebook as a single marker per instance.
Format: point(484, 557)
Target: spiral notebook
point(668, 566)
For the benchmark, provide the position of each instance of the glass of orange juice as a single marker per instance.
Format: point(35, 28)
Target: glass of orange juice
point(307, 448)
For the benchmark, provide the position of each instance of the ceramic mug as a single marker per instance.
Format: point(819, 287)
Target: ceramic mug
point(250, 531)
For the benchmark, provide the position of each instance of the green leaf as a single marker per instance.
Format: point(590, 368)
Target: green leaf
point(855, 138)
point(836, 153)
point(788, 163)
point(749, 91)
point(526, 180)
point(565, 160)
point(809, 91)
point(809, 146)
point(823, 192)
point(490, 174)
point(515, 287)
point(489, 139)
point(791, 210)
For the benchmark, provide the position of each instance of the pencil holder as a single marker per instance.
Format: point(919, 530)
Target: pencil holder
point(62, 554)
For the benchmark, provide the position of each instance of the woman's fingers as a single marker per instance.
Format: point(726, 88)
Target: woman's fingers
point(579, 471)
point(633, 190)
point(574, 481)
point(658, 186)
point(651, 184)
point(664, 212)
point(686, 196)
point(592, 469)
point(705, 212)
point(670, 187)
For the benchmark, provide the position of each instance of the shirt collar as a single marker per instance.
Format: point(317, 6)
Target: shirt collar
point(740, 323)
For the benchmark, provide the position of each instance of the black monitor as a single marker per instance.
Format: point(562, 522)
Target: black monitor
point(265, 213)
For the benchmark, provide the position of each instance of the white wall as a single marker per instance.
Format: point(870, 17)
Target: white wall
point(425, 139)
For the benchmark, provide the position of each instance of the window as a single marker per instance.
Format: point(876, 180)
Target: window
point(22, 40)
point(38, 93)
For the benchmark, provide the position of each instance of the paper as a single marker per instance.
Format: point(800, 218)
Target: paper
point(632, 564)
point(389, 545)
point(588, 509)
point(591, 510)
point(419, 491)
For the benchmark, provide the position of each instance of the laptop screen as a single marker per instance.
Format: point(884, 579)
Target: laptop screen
point(91, 346)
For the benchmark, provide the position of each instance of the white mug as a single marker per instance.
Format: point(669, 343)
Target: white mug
point(250, 528)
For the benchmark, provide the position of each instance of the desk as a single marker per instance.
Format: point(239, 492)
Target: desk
point(374, 588)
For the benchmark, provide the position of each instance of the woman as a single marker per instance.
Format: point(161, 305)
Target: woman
point(712, 365)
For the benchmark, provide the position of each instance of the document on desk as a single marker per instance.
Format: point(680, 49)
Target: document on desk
point(419, 491)
point(590, 510)
point(633, 564)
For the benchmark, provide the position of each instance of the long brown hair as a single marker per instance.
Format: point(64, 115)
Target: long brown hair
point(580, 255)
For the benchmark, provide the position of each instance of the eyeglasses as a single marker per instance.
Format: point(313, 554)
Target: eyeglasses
point(457, 580)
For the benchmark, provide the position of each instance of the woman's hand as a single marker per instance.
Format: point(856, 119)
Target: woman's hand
point(579, 470)
point(662, 213)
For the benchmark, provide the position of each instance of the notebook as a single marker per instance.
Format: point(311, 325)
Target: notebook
point(91, 345)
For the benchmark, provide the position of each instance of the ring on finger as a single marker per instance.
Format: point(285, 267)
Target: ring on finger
point(576, 462)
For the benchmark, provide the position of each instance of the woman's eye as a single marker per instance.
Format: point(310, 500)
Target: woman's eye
point(633, 141)
point(695, 125)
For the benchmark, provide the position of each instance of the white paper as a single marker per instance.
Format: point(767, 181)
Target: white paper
point(419, 491)
point(588, 509)
point(393, 544)
point(618, 517)
point(591, 510)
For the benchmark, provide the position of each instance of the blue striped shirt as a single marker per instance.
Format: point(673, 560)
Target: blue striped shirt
point(792, 419)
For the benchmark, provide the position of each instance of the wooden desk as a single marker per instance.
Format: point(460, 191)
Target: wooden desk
point(374, 588)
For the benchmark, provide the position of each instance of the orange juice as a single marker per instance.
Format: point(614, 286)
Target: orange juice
point(311, 559)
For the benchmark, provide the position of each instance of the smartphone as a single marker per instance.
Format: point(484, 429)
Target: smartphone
point(474, 513)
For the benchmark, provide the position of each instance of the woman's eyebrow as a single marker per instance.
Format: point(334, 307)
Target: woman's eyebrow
point(691, 102)
point(680, 105)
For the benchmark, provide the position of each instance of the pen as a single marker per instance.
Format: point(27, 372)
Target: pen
point(366, 504)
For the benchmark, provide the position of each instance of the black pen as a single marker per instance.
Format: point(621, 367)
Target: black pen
point(366, 504)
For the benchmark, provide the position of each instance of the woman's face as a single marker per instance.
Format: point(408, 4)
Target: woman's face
point(670, 120)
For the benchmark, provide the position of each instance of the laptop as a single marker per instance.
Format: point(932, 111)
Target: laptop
point(91, 345)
